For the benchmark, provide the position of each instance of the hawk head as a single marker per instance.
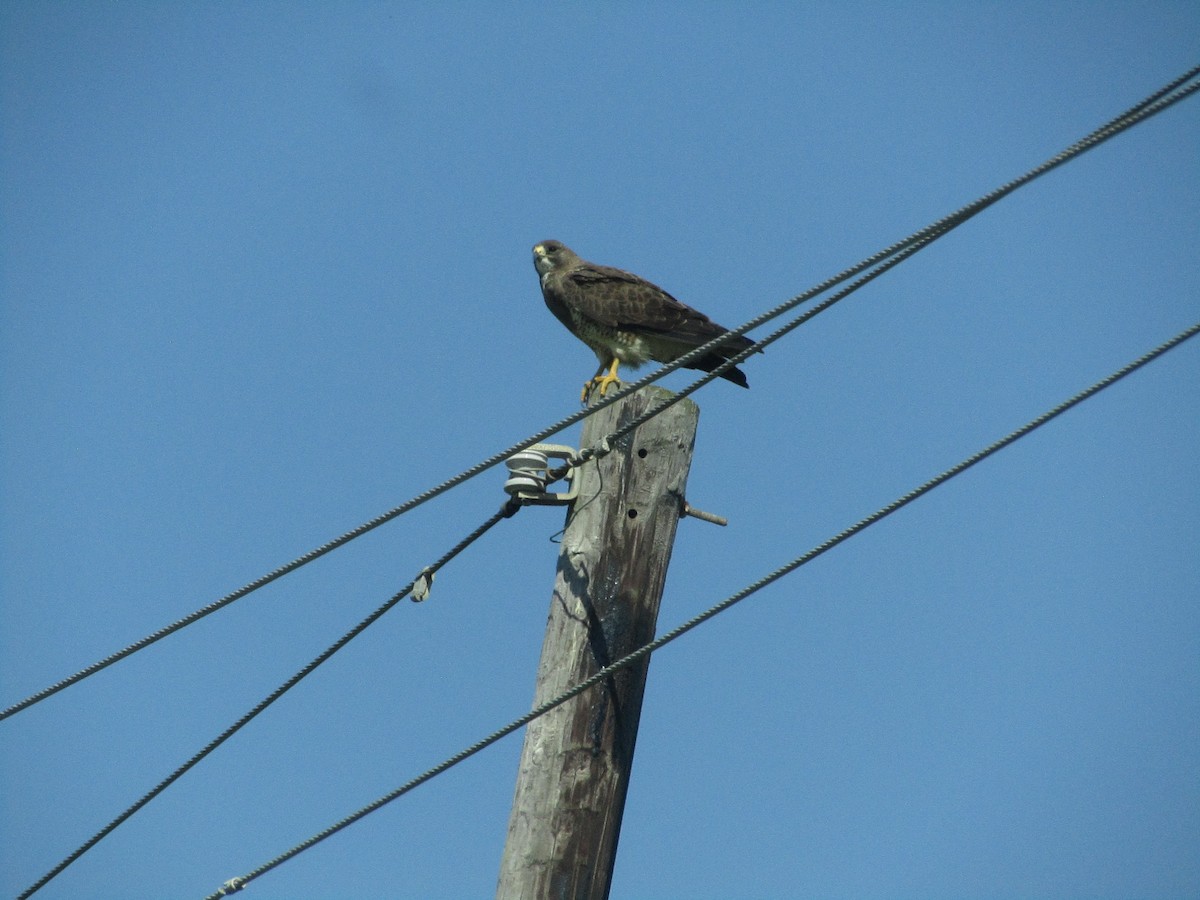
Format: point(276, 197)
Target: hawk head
point(550, 255)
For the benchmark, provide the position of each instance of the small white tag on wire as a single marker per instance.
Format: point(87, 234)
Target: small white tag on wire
point(422, 586)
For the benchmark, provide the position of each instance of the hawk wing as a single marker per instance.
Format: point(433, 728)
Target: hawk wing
point(625, 301)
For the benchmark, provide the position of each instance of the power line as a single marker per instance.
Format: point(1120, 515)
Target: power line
point(509, 509)
point(1160, 100)
point(1155, 103)
point(609, 440)
point(236, 884)
point(891, 257)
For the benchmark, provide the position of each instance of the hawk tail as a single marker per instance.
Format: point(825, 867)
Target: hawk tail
point(710, 362)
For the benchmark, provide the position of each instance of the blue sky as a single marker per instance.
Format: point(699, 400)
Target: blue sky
point(266, 273)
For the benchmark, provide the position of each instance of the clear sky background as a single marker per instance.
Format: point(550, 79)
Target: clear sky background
point(266, 273)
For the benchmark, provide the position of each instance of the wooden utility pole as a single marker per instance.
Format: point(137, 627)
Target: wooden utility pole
point(575, 764)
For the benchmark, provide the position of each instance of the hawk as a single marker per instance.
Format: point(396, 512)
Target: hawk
point(626, 319)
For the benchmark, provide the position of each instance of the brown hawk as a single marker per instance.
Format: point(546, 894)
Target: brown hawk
point(626, 319)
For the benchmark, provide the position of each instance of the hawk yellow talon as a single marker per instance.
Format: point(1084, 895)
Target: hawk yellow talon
point(601, 381)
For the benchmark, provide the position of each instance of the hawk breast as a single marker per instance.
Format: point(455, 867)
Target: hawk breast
point(607, 341)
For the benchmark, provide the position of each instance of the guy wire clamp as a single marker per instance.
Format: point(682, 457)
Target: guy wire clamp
point(529, 472)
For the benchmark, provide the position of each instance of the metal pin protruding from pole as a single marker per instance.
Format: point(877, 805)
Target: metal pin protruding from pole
point(688, 510)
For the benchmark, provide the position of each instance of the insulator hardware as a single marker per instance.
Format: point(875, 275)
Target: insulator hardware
point(529, 473)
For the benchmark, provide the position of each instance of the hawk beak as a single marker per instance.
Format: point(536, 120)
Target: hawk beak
point(540, 250)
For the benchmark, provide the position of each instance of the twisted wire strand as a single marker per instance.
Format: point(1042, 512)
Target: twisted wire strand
point(234, 885)
point(507, 510)
point(1161, 99)
point(611, 440)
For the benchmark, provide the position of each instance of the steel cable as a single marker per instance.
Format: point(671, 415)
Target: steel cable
point(509, 509)
point(236, 884)
point(1157, 102)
